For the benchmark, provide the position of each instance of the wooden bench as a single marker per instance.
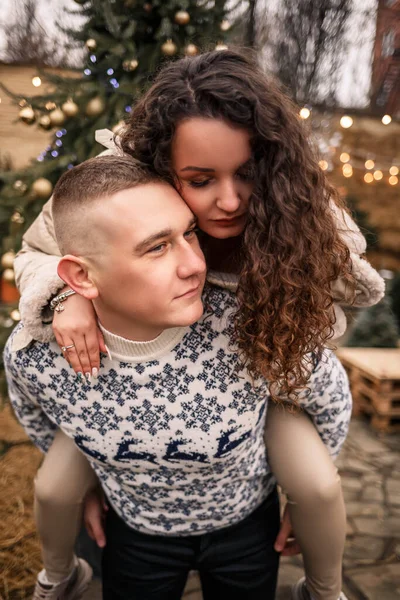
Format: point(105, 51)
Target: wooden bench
point(374, 375)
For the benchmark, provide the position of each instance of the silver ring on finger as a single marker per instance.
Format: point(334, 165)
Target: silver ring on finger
point(64, 348)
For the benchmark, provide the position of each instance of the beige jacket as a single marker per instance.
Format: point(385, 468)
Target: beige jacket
point(37, 280)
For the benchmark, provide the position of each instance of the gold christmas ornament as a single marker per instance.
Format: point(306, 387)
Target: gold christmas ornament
point(27, 115)
point(130, 65)
point(91, 44)
point(17, 218)
point(118, 127)
point(182, 17)
point(225, 25)
point(15, 315)
point(20, 186)
point(95, 107)
point(7, 260)
point(169, 48)
point(57, 117)
point(44, 122)
point(42, 188)
point(221, 46)
point(8, 275)
point(191, 50)
point(70, 108)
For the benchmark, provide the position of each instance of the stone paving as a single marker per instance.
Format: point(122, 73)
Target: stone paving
point(370, 469)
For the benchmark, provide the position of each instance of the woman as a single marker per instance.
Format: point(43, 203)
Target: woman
point(224, 134)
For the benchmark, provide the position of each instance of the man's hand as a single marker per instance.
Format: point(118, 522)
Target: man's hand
point(285, 543)
point(94, 514)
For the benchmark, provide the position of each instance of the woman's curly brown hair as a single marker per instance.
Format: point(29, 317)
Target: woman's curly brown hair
point(292, 251)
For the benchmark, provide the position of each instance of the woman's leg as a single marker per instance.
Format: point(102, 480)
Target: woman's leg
point(61, 484)
point(308, 476)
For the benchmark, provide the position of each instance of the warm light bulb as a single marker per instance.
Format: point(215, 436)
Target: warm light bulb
point(345, 157)
point(346, 121)
point(305, 112)
point(347, 170)
point(378, 175)
point(394, 170)
point(393, 180)
point(369, 164)
point(36, 81)
point(368, 178)
point(386, 119)
point(323, 164)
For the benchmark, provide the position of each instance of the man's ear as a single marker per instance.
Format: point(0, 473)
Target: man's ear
point(74, 271)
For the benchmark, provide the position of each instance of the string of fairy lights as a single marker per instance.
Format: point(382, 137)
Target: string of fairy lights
point(376, 168)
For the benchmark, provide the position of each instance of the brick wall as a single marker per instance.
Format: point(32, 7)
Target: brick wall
point(386, 59)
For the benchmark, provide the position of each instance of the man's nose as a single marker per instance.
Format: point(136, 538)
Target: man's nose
point(192, 262)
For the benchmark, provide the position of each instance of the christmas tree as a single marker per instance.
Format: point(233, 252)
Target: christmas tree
point(126, 41)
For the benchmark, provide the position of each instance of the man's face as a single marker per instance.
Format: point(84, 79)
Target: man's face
point(151, 271)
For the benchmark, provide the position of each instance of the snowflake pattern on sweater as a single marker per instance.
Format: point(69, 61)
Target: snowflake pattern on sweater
point(177, 442)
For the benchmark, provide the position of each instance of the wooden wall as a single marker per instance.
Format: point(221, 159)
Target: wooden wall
point(22, 142)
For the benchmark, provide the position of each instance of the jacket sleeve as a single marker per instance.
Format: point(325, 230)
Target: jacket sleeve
point(29, 413)
point(36, 275)
point(328, 401)
point(370, 286)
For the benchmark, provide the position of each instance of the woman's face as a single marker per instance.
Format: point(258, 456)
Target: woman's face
point(213, 162)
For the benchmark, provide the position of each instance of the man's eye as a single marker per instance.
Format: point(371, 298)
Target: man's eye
point(157, 249)
point(192, 232)
point(198, 184)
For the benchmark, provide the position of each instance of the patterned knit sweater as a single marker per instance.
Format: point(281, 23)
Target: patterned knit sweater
point(173, 428)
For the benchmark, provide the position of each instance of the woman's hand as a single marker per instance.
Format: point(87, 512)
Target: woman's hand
point(76, 326)
point(94, 513)
point(285, 543)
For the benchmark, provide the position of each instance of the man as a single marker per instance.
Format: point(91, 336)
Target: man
point(173, 426)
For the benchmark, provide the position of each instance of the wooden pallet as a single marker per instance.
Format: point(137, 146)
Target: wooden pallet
point(374, 375)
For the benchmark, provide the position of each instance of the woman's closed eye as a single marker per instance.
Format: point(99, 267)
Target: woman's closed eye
point(198, 184)
point(247, 174)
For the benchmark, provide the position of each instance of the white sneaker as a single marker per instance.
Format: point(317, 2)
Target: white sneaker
point(71, 588)
point(300, 591)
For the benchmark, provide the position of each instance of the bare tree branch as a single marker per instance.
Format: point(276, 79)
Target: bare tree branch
point(306, 44)
point(28, 42)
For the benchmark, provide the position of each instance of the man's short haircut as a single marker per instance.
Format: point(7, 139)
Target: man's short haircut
point(80, 187)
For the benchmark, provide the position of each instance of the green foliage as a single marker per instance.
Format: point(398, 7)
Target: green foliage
point(375, 327)
point(395, 298)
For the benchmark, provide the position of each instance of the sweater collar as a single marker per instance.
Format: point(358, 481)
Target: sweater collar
point(122, 349)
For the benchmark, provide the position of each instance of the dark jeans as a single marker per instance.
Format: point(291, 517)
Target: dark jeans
point(236, 562)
